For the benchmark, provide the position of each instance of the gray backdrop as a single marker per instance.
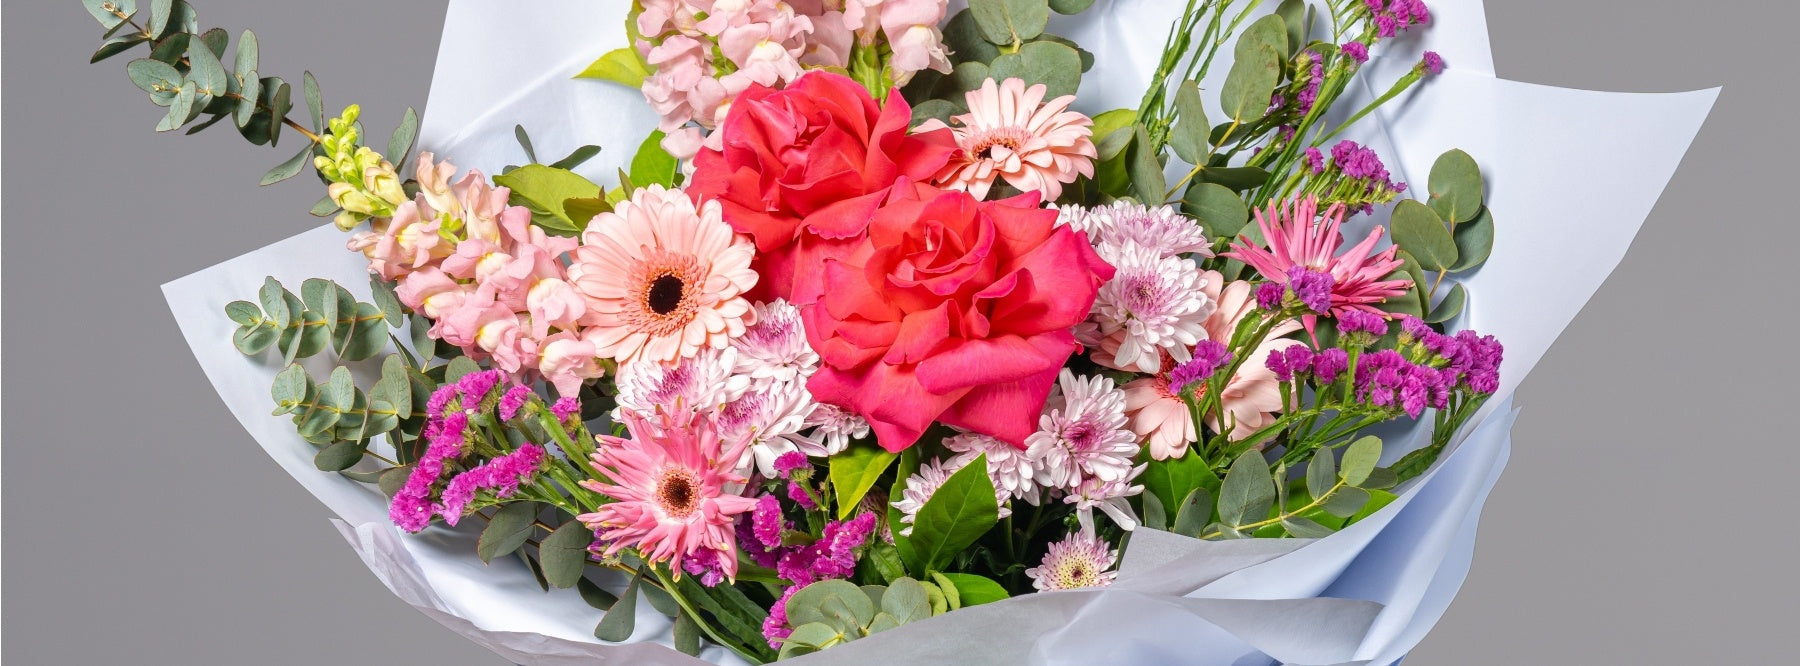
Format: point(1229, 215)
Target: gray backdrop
point(1646, 517)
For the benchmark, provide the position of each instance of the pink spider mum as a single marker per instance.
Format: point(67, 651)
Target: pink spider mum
point(1300, 236)
point(1010, 132)
point(669, 481)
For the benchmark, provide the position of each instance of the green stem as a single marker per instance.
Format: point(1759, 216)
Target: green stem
point(686, 607)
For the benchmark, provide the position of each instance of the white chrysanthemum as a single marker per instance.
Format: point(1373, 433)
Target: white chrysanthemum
point(771, 417)
point(923, 484)
point(1082, 434)
point(1154, 304)
point(1161, 228)
point(1009, 468)
point(775, 348)
point(1082, 560)
point(703, 382)
point(1107, 496)
point(832, 429)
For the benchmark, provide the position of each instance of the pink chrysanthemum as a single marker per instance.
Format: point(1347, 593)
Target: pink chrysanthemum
point(775, 348)
point(1010, 469)
point(704, 382)
point(663, 280)
point(1154, 305)
point(1082, 560)
point(771, 418)
point(832, 429)
point(1122, 222)
point(669, 481)
point(1107, 496)
point(1082, 434)
point(1011, 133)
point(1299, 236)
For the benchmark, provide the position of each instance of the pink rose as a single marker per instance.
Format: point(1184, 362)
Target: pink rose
point(952, 310)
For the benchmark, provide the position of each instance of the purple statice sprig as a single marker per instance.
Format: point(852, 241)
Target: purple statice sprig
point(501, 476)
point(1209, 357)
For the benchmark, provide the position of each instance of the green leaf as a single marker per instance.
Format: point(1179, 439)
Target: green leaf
point(1419, 231)
point(339, 456)
point(1173, 479)
point(1247, 492)
point(244, 312)
point(1220, 211)
point(686, 635)
point(966, 41)
point(652, 165)
point(621, 617)
point(594, 595)
point(831, 602)
point(955, 516)
point(1195, 512)
point(508, 530)
point(1456, 186)
point(1346, 501)
point(251, 91)
point(383, 294)
point(906, 601)
point(153, 76)
point(1253, 78)
point(1191, 133)
point(107, 18)
point(1449, 307)
point(116, 46)
point(182, 110)
point(274, 302)
point(543, 189)
point(1360, 460)
point(525, 143)
point(855, 471)
point(288, 169)
point(620, 66)
point(1305, 528)
point(1377, 499)
point(1055, 65)
point(564, 553)
point(252, 340)
point(1321, 473)
point(368, 334)
point(290, 386)
point(1004, 22)
point(974, 589)
point(315, 104)
point(1071, 6)
point(577, 157)
point(1293, 15)
point(1146, 170)
point(245, 58)
point(537, 571)
point(392, 479)
point(160, 12)
point(809, 638)
point(1236, 179)
point(404, 135)
point(1474, 241)
point(171, 49)
point(459, 366)
point(1155, 515)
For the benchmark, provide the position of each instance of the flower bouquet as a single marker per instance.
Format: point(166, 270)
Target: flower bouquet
point(1026, 330)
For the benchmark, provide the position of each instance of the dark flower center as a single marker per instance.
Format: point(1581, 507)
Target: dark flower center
point(677, 493)
point(665, 294)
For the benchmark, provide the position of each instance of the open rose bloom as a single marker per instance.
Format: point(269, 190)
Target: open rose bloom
point(829, 267)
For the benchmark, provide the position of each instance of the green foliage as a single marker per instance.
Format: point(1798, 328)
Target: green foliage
point(564, 553)
point(1259, 500)
point(622, 66)
point(1006, 22)
point(1192, 131)
point(1260, 52)
point(621, 616)
point(957, 514)
point(830, 612)
point(1419, 231)
point(1456, 187)
point(1056, 65)
point(1221, 211)
point(326, 315)
point(507, 530)
point(546, 191)
point(652, 165)
point(854, 471)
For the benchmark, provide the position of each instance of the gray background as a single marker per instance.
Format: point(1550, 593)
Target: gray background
point(1646, 516)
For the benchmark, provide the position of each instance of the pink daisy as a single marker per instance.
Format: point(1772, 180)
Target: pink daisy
point(669, 481)
point(662, 279)
point(1011, 133)
point(1082, 560)
point(1300, 236)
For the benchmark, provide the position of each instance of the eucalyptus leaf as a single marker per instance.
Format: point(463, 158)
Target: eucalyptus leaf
point(339, 456)
point(1005, 22)
point(110, 13)
point(1321, 473)
point(160, 12)
point(564, 553)
point(402, 139)
point(1474, 241)
point(274, 302)
point(1196, 511)
point(507, 531)
point(1237, 179)
point(116, 45)
point(1190, 135)
point(1055, 65)
point(153, 76)
point(1360, 459)
point(1293, 16)
point(393, 479)
point(215, 40)
point(459, 366)
point(245, 112)
point(1220, 211)
point(1419, 231)
point(182, 110)
point(1305, 528)
point(1248, 491)
point(244, 312)
point(966, 41)
point(813, 603)
point(1155, 516)
point(287, 169)
point(1450, 306)
point(686, 635)
point(577, 157)
point(617, 625)
point(906, 601)
point(1071, 6)
point(315, 103)
point(1145, 169)
point(595, 595)
point(1456, 186)
point(245, 58)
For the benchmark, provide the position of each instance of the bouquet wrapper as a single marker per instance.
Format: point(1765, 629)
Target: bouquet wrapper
point(1571, 175)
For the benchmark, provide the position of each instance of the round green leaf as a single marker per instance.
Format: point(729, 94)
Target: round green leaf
point(964, 37)
point(906, 601)
point(1071, 6)
point(1456, 186)
point(1189, 138)
point(1004, 22)
point(1346, 502)
point(1418, 230)
point(1248, 490)
point(339, 456)
point(1250, 84)
point(564, 553)
point(1360, 460)
point(1305, 528)
point(508, 530)
point(207, 72)
point(621, 617)
point(1474, 241)
point(831, 602)
point(1056, 66)
point(1221, 211)
point(1321, 473)
point(1195, 512)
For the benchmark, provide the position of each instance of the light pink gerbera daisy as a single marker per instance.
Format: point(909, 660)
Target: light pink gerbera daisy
point(1300, 236)
point(669, 481)
point(1251, 398)
point(1082, 560)
point(663, 279)
point(1011, 133)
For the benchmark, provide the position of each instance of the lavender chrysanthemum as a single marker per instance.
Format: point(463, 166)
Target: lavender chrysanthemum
point(703, 383)
point(771, 418)
point(1079, 561)
point(1010, 469)
point(832, 429)
point(1160, 228)
point(775, 348)
point(1082, 434)
point(1154, 304)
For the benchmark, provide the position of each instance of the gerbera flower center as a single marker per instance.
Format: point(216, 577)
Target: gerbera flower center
point(665, 294)
point(678, 492)
point(1010, 138)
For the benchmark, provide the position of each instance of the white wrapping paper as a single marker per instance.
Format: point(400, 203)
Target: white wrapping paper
point(1571, 176)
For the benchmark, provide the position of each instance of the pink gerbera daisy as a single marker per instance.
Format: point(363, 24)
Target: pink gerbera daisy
point(1010, 132)
point(1300, 236)
point(669, 481)
point(663, 279)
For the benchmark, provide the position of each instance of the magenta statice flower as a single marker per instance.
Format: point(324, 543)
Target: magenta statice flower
point(1328, 364)
point(798, 494)
point(786, 463)
point(766, 523)
point(1432, 62)
point(412, 507)
point(1312, 288)
point(502, 476)
point(1209, 356)
point(1296, 361)
point(565, 408)
point(1270, 294)
point(1356, 51)
point(775, 627)
point(1315, 78)
point(1315, 161)
point(475, 386)
point(1412, 328)
point(705, 565)
point(1362, 322)
point(514, 400)
point(440, 399)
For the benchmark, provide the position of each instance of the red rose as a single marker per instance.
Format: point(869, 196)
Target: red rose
point(952, 310)
point(807, 165)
